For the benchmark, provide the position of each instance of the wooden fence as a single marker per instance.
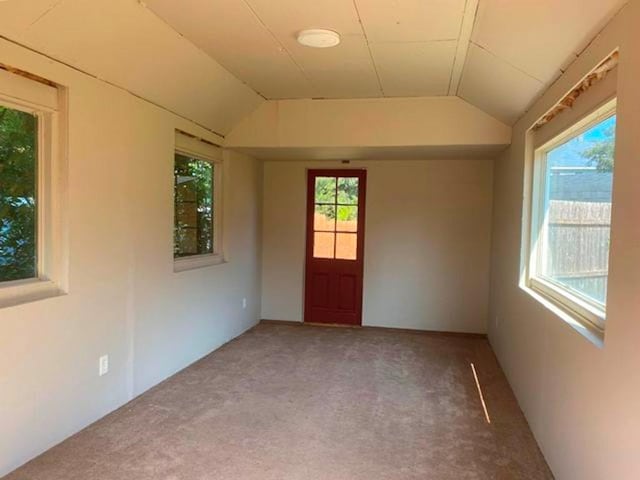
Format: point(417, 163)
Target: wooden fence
point(578, 245)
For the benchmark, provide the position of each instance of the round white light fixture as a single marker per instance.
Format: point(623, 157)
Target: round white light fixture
point(318, 38)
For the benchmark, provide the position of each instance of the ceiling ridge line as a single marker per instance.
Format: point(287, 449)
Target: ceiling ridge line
point(282, 47)
point(507, 62)
point(366, 40)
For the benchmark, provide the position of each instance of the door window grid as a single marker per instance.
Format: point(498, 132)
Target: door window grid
point(335, 218)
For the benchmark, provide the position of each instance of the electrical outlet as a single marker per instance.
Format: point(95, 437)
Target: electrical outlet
point(244, 303)
point(103, 365)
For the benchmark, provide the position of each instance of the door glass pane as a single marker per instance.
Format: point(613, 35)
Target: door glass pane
point(325, 190)
point(348, 190)
point(323, 244)
point(325, 218)
point(579, 175)
point(18, 194)
point(346, 246)
point(347, 219)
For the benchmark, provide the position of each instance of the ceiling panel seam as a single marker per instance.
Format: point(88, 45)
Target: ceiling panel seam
point(366, 40)
point(468, 23)
point(44, 14)
point(282, 47)
point(409, 42)
point(507, 62)
point(187, 39)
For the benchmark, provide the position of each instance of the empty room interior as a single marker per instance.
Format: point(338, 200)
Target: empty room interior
point(319, 240)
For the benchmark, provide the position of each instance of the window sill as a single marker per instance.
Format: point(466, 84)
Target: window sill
point(197, 261)
point(580, 324)
point(26, 291)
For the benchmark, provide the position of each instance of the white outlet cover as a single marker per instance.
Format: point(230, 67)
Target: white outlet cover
point(244, 303)
point(103, 367)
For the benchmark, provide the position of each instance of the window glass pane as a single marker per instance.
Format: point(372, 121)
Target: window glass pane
point(579, 175)
point(325, 218)
point(325, 190)
point(193, 196)
point(347, 219)
point(323, 244)
point(346, 246)
point(348, 190)
point(18, 188)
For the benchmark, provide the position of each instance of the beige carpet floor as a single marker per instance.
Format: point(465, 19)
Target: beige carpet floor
point(291, 402)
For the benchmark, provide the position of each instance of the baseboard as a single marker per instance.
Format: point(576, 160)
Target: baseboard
point(368, 327)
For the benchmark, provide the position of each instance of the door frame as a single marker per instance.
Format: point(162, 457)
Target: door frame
point(312, 173)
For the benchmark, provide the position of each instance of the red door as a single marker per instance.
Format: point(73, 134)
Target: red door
point(335, 246)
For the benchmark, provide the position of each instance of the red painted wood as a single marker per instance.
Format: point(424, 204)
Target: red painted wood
point(333, 287)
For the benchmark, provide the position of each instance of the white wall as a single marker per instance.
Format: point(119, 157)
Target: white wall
point(379, 122)
point(427, 242)
point(124, 298)
point(580, 400)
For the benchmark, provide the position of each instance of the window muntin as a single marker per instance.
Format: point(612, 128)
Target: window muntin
point(335, 222)
point(18, 194)
point(570, 239)
point(194, 225)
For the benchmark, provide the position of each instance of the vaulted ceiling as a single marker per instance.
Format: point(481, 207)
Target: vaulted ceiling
point(496, 54)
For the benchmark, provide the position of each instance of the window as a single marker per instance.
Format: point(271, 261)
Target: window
point(193, 234)
point(197, 168)
point(32, 170)
point(335, 222)
point(571, 217)
point(18, 194)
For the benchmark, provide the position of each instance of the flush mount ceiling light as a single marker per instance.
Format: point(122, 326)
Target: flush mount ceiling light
point(318, 38)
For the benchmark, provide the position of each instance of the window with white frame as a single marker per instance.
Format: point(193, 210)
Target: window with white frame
point(571, 217)
point(18, 194)
point(31, 260)
point(197, 203)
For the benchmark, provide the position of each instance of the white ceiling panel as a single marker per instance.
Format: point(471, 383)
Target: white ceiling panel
point(389, 47)
point(497, 87)
point(345, 71)
point(411, 20)
point(15, 17)
point(123, 43)
point(236, 38)
point(414, 69)
point(285, 18)
point(540, 36)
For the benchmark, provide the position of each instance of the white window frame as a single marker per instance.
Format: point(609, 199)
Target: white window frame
point(47, 103)
point(196, 148)
point(590, 314)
